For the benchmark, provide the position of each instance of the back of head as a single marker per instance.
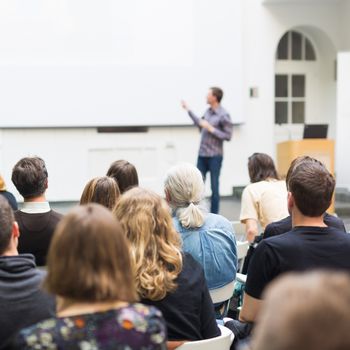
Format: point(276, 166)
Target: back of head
point(184, 187)
point(6, 222)
point(124, 173)
point(155, 245)
point(29, 176)
point(217, 92)
point(310, 311)
point(312, 186)
point(102, 190)
point(89, 258)
point(261, 167)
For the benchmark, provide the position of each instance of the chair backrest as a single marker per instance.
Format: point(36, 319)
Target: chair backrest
point(222, 294)
point(239, 230)
point(222, 342)
point(242, 249)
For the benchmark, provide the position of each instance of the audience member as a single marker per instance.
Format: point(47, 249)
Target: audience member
point(8, 195)
point(305, 312)
point(22, 302)
point(264, 200)
point(285, 225)
point(125, 174)
point(282, 226)
point(166, 278)
point(209, 238)
point(36, 220)
point(102, 190)
point(309, 245)
point(89, 269)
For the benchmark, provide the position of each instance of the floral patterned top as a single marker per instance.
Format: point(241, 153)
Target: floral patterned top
point(135, 326)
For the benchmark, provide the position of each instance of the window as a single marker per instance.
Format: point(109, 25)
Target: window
point(295, 46)
point(290, 98)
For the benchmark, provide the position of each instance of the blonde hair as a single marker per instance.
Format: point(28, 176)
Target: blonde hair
point(155, 245)
point(88, 259)
point(2, 184)
point(102, 190)
point(185, 188)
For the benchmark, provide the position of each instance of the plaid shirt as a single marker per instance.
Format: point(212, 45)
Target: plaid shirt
point(212, 143)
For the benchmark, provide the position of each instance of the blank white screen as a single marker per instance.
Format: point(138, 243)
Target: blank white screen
point(105, 63)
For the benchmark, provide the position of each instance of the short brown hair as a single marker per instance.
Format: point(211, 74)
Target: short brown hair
point(217, 92)
point(29, 176)
point(312, 187)
point(88, 259)
point(103, 190)
point(261, 167)
point(124, 173)
point(309, 311)
point(6, 221)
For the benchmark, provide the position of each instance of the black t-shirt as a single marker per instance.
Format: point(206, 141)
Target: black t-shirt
point(303, 248)
point(285, 225)
point(188, 311)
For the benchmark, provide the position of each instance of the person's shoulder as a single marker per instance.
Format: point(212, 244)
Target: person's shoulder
point(278, 227)
point(255, 188)
point(340, 233)
point(18, 213)
point(278, 241)
point(146, 311)
point(224, 111)
point(334, 221)
point(56, 214)
point(147, 319)
point(190, 266)
point(217, 221)
point(31, 337)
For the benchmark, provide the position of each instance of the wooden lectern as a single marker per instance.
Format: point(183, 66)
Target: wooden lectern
point(321, 149)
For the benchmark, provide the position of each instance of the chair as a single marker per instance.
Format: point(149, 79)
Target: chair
point(223, 295)
point(222, 342)
point(241, 278)
point(242, 250)
point(239, 230)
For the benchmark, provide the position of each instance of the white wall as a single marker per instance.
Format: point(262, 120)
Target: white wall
point(343, 121)
point(74, 155)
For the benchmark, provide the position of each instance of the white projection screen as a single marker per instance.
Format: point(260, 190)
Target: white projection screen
point(87, 63)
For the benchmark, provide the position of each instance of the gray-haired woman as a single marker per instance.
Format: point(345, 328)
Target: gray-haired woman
point(209, 238)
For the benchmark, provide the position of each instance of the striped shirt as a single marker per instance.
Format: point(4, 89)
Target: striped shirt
point(212, 143)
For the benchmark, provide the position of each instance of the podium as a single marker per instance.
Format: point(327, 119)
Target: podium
point(321, 149)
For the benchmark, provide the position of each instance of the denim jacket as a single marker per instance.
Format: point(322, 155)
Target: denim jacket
point(213, 245)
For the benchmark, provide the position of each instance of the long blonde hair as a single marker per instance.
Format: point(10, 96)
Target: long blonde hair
point(155, 245)
point(185, 188)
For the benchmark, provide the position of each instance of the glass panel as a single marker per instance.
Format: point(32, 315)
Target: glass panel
point(282, 50)
point(298, 112)
point(281, 85)
point(309, 51)
point(296, 46)
point(281, 112)
point(298, 85)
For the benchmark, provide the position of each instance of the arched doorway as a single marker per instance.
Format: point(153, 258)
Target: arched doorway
point(305, 83)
